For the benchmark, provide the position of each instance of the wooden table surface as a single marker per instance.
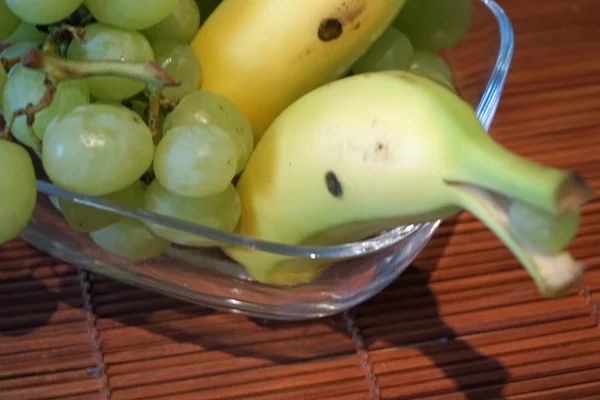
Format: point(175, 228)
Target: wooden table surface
point(465, 322)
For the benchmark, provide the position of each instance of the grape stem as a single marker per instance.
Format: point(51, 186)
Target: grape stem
point(7, 64)
point(30, 110)
point(59, 69)
point(56, 36)
point(62, 69)
point(169, 104)
point(154, 94)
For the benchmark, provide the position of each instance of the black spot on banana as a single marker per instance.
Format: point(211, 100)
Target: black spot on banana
point(264, 54)
point(333, 184)
point(330, 29)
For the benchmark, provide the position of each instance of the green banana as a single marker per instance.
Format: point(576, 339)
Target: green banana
point(377, 150)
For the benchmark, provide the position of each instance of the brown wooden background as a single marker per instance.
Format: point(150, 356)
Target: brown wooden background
point(464, 323)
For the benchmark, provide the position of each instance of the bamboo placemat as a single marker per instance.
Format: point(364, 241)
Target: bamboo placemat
point(465, 322)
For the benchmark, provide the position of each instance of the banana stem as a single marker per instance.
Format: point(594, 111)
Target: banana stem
point(491, 166)
point(554, 274)
point(62, 69)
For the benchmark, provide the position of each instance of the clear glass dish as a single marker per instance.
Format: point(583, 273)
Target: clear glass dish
point(358, 270)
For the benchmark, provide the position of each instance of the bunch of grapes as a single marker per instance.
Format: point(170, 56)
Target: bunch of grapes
point(106, 94)
point(422, 29)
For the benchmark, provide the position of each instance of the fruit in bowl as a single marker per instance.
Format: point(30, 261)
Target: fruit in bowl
point(277, 122)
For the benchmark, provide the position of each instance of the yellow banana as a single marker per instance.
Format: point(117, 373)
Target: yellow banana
point(377, 150)
point(264, 54)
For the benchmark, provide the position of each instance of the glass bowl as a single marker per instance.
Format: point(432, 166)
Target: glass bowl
point(356, 272)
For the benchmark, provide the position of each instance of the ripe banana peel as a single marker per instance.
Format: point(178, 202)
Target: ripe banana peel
point(378, 150)
point(265, 54)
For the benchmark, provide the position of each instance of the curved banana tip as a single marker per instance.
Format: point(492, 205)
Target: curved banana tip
point(574, 193)
point(558, 274)
point(554, 274)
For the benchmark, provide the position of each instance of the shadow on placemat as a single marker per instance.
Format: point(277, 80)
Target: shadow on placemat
point(431, 349)
point(19, 316)
point(241, 347)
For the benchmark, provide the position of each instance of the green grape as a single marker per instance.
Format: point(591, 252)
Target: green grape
point(392, 51)
point(82, 218)
point(9, 22)
point(435, 24)
point(180, 62)
point(17, 50)
point(195, 160)
point(43, 12)
point(207, 7)
point(543, 231)
point(3, 79)
point(212, 108)
point(25, 86)
point(427, 63)
point(130, 239)
point(103, 42)
point(97, 149)
point(27, 32)
point(131, 14)
point(18, 192)
point(221, 211)
point(181, 25)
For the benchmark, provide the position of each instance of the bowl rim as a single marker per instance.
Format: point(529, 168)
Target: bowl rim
point(485, 112)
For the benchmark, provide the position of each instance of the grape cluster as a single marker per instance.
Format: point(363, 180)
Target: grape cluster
point(421, 30)
point(106, 94)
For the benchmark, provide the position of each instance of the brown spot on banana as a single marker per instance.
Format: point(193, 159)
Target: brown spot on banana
point(350, 10)
point(332, 27)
